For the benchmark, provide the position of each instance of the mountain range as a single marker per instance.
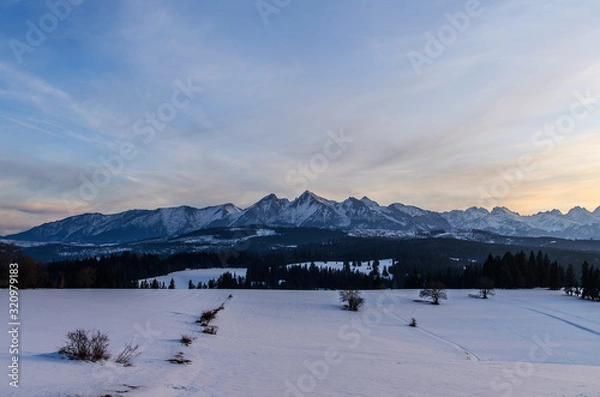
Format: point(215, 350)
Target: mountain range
point(309, 210)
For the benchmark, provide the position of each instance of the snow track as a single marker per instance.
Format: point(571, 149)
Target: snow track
point(455, 345)
point(579, 326)
point(559, 318)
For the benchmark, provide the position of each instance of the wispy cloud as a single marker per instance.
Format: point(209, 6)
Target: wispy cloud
point(271, 93)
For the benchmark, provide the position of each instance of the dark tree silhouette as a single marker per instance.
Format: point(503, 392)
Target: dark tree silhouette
point(434, 291)
point(486, 287)
point(570, 280)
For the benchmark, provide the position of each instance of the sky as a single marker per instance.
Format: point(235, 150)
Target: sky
point(113, 105)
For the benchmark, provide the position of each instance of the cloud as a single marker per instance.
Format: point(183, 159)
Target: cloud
point(271, 93)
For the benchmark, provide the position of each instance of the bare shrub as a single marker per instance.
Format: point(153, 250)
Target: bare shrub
point(207, 316)
point(128, 354)
point(99, 346)
point(85, 345)
point(179, 358)
point(186, 340)
point(210, 329)
point(352, 299)
point(413, 322)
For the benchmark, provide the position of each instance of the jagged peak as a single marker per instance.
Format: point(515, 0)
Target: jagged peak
point(269, 200)
point(353, 202)
point(579, 210)
point(503, 210)
point(554, 212)
point(310, 196)
point(352, 199)
point(228, 206)
point(470, 210)
point(477, 209)
point(269, 197)
point(369, 202)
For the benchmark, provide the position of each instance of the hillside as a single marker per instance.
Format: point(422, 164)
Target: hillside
point(300, 343)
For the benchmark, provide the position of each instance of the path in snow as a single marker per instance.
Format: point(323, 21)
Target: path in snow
point(455, 345)
point(562, 319)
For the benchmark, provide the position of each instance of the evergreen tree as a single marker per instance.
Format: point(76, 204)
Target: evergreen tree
point(191, 285)
point(172, 284)
point(376, 265)
point(554, 277)
point(413, 280)
point(585, 279)
point(486, 287)
point(594, 289)
point(385, 273)
point(375, 277)
point(531, 279)
point(347, 266)
point(570, 283)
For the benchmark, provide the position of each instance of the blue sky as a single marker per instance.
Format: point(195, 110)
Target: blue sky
point(113, 105)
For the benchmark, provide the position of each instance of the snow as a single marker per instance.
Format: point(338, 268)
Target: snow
point(386, 233)
point(239, 236)
point(182, 277)
point(339, 265)
point(301, 343)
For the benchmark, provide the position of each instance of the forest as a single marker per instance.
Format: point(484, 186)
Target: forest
point(271, 270)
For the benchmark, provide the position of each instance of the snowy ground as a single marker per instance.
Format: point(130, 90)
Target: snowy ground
point(182, 277)
point(339, 265)
point(301, 343)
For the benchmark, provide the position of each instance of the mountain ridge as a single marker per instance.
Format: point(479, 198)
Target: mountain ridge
point(311, 210)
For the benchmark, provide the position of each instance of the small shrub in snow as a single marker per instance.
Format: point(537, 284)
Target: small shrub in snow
point(207, 316)
point(186, 340)
point(85, 345)
point(413, 322)
point(210, 329)
point(179, 358)
point(352, 299)
point(128, 354)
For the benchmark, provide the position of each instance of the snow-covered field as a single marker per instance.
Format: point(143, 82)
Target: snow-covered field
point(182, 277)
point(301, 343)
point(339, 265)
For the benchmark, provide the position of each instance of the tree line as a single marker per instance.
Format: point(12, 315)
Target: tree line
point(271, 270)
